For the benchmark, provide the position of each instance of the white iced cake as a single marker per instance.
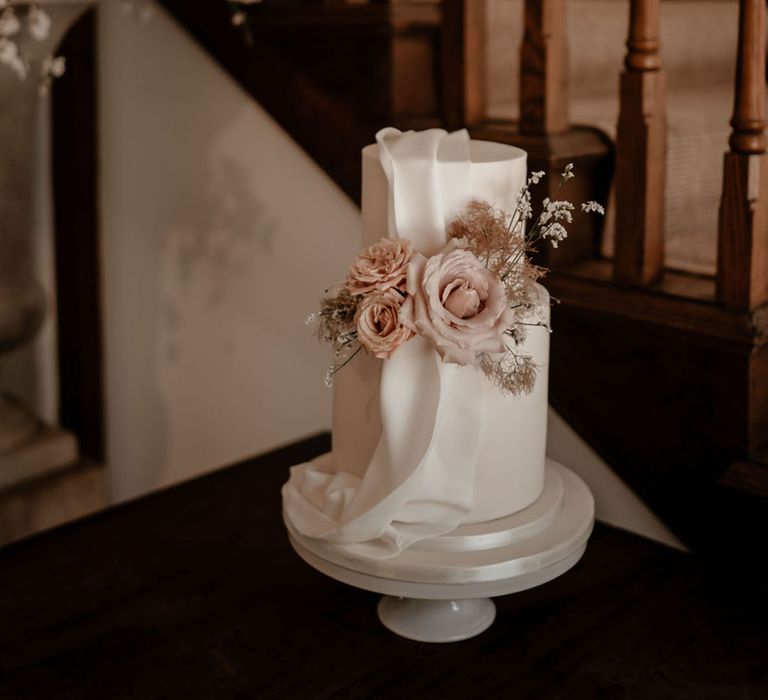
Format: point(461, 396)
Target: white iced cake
point(421, 445)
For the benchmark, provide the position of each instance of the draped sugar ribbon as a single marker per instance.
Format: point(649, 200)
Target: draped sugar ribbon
point(420, 481)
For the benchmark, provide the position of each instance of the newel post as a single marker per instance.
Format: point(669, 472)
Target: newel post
point(641, 152)
point(742, 260)
point(544, 69)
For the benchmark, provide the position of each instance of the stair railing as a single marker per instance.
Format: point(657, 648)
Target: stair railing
point(742, 256)
point(544, 69)
point(641, 152)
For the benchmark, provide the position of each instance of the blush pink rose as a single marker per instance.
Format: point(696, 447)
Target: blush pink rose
point(380, 267)
point(378, 325)
point(457, 304)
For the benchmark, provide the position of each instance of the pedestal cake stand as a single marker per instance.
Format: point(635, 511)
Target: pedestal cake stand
point(440, 589)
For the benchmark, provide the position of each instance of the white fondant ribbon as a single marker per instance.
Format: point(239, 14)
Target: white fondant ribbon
point(420, 482)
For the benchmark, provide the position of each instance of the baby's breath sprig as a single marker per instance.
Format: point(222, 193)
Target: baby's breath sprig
point(550, 223)
point(591, 206)
point(341, 362)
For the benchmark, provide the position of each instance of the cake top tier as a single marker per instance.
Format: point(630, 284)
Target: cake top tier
point(415, 183)
point(479, 152)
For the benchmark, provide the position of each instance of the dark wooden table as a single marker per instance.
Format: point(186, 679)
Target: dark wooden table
point(194, 592)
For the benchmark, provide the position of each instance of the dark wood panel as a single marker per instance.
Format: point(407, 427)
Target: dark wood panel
point(679, 302)
point(76, 221)
point(194, 592)
point(669, 409)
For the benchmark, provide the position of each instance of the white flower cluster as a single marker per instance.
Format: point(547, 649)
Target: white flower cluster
point(559, 210)
point(524, 208)
point(591, 206)
point(37, 23)
point(550, 223)
point(555, 233)
point(52, 67)
point(10, 26)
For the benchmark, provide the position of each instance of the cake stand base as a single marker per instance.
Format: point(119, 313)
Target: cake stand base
point(439, 589)
point(436, 620)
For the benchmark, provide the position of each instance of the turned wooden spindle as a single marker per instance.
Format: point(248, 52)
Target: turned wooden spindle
point(641, 152)
point(643, 40)
point(544, 69)
point(742, 260)
point(464, 62)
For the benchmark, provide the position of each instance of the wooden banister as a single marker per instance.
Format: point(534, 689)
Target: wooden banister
point(641, 152)
point(544, 69)
point(465, 66)
point(742, 261)
point(544, 130)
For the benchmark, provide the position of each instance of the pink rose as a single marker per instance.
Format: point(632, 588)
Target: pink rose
point(378, 323)
point(380, 267)
point(457, 304)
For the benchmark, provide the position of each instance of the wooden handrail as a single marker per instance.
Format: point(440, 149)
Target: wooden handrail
point(742, 260)
point(544, 69)
point(641, 152)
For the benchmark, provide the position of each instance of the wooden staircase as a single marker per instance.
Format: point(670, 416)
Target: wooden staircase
point(664, 373)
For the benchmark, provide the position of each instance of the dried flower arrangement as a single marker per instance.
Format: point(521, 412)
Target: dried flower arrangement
point(17, 17)
point(474, 301)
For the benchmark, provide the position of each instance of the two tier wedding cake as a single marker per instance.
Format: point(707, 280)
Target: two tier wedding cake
point(441, 338)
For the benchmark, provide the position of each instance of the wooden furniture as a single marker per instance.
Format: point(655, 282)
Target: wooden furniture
point(545, 132)
point(664, 373)
point(194, 592)
point(641, 152)
point(76, 220)
point(742, 270)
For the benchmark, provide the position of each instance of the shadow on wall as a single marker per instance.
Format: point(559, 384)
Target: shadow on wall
point(219, 234)
point(209, 255)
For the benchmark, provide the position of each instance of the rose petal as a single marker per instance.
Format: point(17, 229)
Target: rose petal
point(463, 303)
point(456, 303)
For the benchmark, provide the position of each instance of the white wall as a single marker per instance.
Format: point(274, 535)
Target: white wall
point(218, 234)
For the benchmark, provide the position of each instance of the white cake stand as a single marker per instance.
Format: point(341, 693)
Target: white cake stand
point(440, 589)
